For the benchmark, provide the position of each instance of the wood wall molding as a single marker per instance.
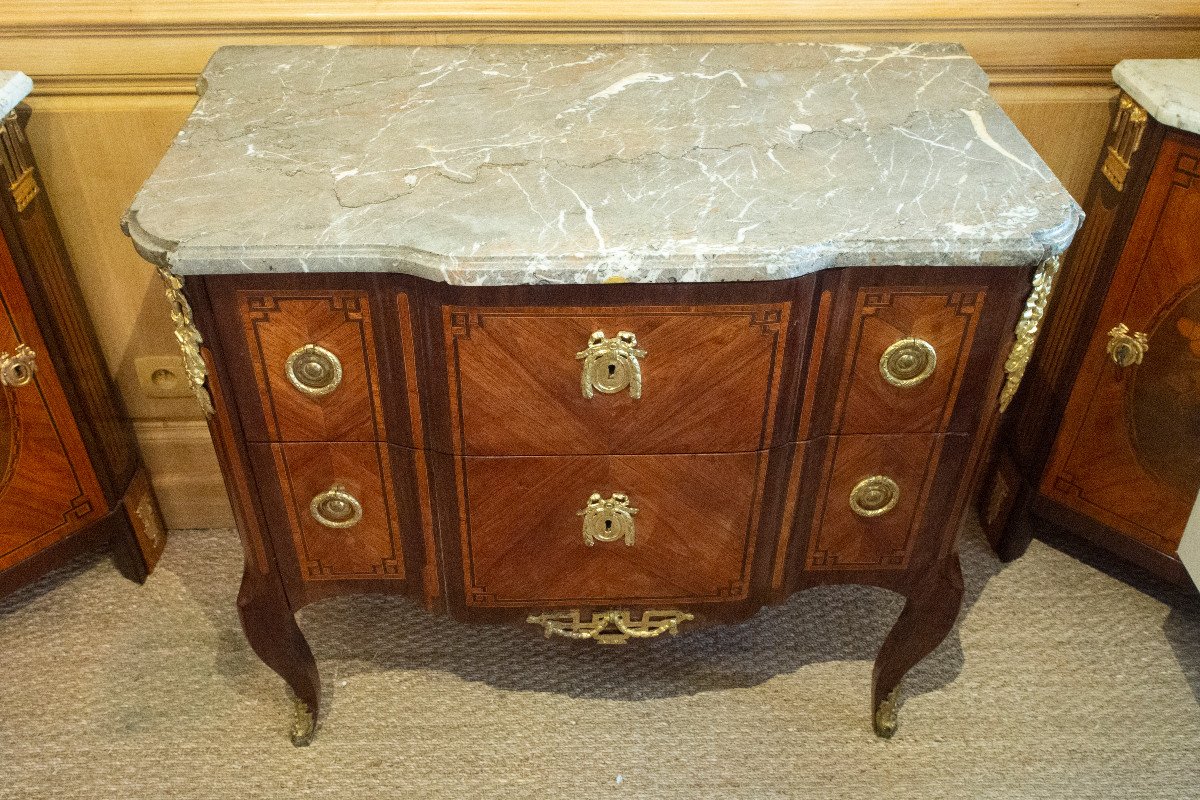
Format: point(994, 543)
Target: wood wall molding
point(143, 14)
point(114, 79)
point(151, 47)
point(184, 84)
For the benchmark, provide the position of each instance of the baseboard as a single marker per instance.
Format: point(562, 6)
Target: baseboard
point(183, 469)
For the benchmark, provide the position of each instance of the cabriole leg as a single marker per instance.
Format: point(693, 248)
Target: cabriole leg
point(271, 629)
point(925, 621)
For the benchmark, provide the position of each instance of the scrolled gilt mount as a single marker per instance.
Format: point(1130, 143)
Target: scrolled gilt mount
point(610, 627)
point(1028, 328)
point(189, 339)
point(608, 520)
point(611, 365)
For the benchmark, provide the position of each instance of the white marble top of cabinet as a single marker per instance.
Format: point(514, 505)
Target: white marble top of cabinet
point(516, 164)
point(1168, 88)
point(14, 87)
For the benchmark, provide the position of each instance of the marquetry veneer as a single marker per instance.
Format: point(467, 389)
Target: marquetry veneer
point(463, 450)
point(1103, 442)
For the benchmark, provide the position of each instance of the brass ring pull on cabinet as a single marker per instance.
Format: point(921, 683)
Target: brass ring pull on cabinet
point(607, 520)
point(874, 496)
point(611, 365)
point(1125, 348)
point(17, 369)
point(908, 362)
point(336, 508)
point(313, 370)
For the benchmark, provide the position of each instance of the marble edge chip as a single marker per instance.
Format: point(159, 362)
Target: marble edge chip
point(14, 87)
point(1169, 89)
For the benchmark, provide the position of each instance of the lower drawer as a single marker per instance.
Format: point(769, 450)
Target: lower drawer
point(335, 515)
point(592, 530)
point(884, 502)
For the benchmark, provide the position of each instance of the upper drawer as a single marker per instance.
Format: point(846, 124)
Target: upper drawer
point(559, 381)
point(906, 355)
point(314, 360)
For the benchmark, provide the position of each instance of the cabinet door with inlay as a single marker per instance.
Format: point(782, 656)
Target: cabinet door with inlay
point(1128, 450)
point(557, 381)
point(47, 490)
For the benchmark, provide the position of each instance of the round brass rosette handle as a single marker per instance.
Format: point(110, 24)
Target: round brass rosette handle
point(336, 508)
point(1125, 348)
point(908, 362)
point(874, 496)
point(314, 370)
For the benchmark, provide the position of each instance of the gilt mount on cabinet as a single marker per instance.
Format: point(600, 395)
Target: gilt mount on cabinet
point(627, 340)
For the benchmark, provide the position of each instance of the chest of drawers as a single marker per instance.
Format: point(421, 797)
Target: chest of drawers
point(596, 403)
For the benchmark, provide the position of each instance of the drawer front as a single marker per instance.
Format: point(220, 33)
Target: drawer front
point(883, 500)
point(313, 353)
point(340, 505)
point(526, 524)
point(534, 381)
point(906, 356)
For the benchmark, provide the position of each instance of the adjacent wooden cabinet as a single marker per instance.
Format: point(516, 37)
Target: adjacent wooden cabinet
point(1105, 439)
point(70, 476)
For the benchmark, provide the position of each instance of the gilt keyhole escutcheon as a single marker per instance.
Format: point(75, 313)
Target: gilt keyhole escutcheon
point(608, 520)
point(611, 365)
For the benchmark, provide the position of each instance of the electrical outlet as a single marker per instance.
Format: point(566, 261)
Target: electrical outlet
point(162, 376)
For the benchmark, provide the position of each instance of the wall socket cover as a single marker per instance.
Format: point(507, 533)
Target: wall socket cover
point(162, 376)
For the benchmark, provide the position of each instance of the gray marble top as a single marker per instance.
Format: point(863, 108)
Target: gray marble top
point(14, 87)
point(520, 164)
point(1168, 88)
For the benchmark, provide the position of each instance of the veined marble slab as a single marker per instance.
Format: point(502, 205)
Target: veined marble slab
point(1168, 88)
point(517, 164)
point(14, 87)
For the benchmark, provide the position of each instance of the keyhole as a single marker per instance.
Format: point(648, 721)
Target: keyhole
point(612, 370)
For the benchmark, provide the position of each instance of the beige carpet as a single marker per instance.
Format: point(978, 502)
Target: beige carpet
point(1061, 681)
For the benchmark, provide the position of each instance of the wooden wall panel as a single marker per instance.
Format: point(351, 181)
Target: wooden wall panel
point(114, 80)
